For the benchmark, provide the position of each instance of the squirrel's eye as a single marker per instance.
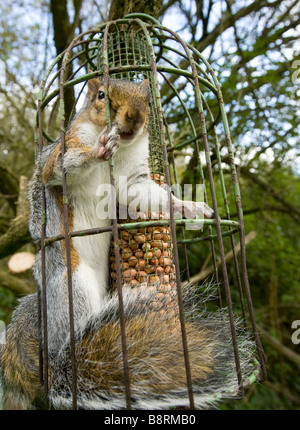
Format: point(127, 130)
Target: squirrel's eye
point(101, 95)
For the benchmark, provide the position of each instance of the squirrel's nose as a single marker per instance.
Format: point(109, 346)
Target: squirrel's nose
point(134, 116)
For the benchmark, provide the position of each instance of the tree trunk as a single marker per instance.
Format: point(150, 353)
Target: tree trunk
point(9, 185)
point(13, 283)
point(63, 34)
point(118, 9)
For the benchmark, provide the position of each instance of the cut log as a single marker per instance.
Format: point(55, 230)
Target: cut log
point(21, 262)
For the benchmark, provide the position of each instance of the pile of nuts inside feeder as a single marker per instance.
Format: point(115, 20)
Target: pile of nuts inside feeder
point(146, 259)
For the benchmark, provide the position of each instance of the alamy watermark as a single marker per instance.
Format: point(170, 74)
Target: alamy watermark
point(148, 200)
point(2, 73)
point(2, 333)
point(296, 333)
point(296, 73)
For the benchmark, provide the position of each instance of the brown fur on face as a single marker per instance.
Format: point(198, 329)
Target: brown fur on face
point(129, 104)
point(129, 111)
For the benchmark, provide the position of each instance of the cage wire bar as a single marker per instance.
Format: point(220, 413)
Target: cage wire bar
point(136, 48)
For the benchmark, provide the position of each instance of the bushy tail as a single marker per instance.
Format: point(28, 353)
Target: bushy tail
point(155, 358)
point(19, 357)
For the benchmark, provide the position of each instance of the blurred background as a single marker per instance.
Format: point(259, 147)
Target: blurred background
point(254, 49)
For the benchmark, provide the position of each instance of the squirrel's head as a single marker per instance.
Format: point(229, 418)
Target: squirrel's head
point(128, 104)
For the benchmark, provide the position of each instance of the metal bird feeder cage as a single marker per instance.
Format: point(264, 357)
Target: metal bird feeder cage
point(188, 126)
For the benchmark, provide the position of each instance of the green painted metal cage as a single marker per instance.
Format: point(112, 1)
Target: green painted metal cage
point(189, 138)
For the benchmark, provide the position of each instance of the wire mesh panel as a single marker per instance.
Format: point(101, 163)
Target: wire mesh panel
point(187, 127)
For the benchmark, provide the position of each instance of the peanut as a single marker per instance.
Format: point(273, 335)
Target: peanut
point(133, 283)
point(125, 235)
point(159, 270)
point(156, 244)
point(132, 260)
point(139, 253)
point(164, 287)
point(133, 245)
point(142, 276)
point(157, 235)
point(154, 261)
point(150, 269)
point(164, 261)
point(126, 253)
point(166, 237)
point(157, 252)
point(148, 255)
point(123, 266)
point(165, 279)
point(167, 269)
point(153, 279)
point(141, 238)
point(140, 264)
point(146, 246)
point(129, 274)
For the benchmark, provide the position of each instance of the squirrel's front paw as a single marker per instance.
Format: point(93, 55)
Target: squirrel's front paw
point(197, 210)
point(204, 209)
point(108, 144)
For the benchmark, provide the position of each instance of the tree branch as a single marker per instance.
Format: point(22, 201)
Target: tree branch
point(63, 34)
point(18, 285)
point(293, 210)
point(223, 25)
point(166, 6)
point(269, 208)
point(278, 346)
point(9, 185)
point(76, 21)
point(206, 272)
point(17, 234)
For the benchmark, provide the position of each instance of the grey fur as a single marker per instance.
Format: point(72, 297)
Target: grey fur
point(207, 393)
point(91, 394)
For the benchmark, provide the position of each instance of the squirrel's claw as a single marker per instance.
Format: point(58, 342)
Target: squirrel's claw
point(203, 208)
point(190, 209)
point(197, 209)
point(108, 144)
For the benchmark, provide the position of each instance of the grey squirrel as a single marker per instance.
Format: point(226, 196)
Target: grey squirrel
point(88, 147)
point(154, 339)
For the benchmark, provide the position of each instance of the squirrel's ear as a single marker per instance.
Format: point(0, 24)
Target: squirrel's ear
point(93, 85)
point(145, 83)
